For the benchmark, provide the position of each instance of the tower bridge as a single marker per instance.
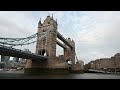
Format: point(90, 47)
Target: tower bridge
point(46, 41)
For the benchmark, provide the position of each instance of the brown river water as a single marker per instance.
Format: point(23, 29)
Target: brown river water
point(21, 75)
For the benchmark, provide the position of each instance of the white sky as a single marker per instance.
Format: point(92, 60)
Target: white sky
point(96, 33)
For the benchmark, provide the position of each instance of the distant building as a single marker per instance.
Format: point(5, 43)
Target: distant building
point(117, 60)
point(15, 59)
point(110, 64)
point(5, 58)
point(2, 65)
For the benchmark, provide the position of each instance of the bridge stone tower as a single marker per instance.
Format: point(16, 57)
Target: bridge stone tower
point(69, 53)
point(47, 44)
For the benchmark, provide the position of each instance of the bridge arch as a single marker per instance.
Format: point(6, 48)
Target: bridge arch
point(42, 52)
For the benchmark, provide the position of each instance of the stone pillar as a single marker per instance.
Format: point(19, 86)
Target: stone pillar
point(28, 64)
point(35, 66)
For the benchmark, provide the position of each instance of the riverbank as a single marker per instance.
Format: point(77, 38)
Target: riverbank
point(111, 73)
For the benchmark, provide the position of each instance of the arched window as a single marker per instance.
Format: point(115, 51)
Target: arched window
point(42, 52)
point(43, 30)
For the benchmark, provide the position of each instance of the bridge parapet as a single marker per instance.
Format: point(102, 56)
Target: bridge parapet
point(8, 51)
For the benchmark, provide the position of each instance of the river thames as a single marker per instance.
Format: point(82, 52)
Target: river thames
point(21, 75)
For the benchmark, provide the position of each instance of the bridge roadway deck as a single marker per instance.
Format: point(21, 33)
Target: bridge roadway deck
point(20, 53)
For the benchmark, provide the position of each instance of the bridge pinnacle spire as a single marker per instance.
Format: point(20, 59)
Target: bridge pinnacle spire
point(52, 16)
point(56, 21)
point(39, 24)
point(40, 21)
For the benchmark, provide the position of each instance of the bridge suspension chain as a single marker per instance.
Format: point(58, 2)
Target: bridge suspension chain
point(76, 57)
point(22, 41)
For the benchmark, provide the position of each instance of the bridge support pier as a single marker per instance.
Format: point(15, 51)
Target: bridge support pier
point(51, 65)
point(28, 66)
point(76, 68)
point(28, 63)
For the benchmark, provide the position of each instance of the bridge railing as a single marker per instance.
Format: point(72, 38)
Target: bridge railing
point(21, 53)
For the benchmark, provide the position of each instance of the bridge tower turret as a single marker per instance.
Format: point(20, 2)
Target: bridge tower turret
point(47, 44)
point(69, 53)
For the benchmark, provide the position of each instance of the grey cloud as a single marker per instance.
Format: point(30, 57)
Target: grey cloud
point(96, 34)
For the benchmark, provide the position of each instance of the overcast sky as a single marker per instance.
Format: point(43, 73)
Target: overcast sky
point(96, 33)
